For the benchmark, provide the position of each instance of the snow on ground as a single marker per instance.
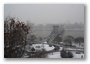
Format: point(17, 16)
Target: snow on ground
point(47, 48)
point(60, 48)
point(54, 55)
point(57, 55)
point(78, 55)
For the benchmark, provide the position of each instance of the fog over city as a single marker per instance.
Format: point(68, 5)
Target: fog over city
point(46, 13)
point(44, 30)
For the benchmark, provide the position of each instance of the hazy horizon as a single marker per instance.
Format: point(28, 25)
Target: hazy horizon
point(46, 13)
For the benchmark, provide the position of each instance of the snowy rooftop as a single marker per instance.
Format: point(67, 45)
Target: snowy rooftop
point(41, 46)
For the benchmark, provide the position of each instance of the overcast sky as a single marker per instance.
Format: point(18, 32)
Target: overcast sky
point(46, 13)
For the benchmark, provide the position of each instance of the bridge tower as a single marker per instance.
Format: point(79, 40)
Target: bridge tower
point(53, 34)
point(57, 31)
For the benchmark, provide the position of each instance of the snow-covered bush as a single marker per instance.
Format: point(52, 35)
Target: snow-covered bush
point(65, 54)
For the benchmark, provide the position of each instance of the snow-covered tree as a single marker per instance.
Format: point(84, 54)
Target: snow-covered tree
point(15, 35)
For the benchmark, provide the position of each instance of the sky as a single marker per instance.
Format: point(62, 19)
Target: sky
point(46, 13)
